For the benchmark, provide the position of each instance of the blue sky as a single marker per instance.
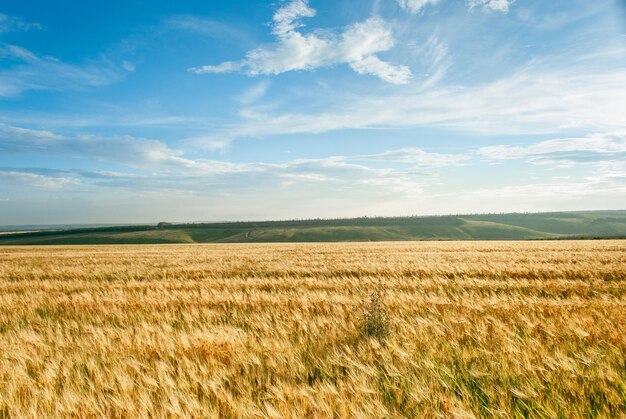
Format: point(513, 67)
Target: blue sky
point(141, 111)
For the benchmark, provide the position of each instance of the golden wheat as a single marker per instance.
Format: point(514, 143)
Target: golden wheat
point(503, 329)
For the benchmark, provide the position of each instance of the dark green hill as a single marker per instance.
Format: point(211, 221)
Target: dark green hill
point(517, 226)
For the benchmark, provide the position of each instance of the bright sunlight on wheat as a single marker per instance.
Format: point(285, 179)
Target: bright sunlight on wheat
point(474, 329)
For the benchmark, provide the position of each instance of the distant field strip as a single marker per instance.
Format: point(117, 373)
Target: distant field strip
point(504, 329)
point(567, 225)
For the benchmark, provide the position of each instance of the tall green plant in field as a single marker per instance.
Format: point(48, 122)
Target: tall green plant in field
point(374, 319)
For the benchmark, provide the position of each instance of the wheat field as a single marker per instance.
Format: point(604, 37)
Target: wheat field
point(476, 329)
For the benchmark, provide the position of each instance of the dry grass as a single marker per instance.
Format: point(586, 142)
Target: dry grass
point(476, 329)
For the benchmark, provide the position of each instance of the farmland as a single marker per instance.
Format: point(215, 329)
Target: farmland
point(505, 329)
point(516, 226)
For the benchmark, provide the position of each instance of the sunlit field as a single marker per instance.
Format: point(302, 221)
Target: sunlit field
point(505, 329)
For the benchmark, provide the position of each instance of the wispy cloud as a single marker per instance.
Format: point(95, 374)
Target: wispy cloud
point(10, 23)
point(392, 182)
point(530, 101)
point(496, 5)
point(560, 18)
point(15, 139)
point(50, 180)
point(126, 150)
point(318, 188)
point(415, 6)
point(540, 196)
point(357, 45)
point(159, 165)
point(436, 61)
point(413, 156)
point(254, 93)
point(109, 116)
point(28, 71)
point(588, 149)
point(206, 26)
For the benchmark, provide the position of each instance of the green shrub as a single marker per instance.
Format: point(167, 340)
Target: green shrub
point(374, 319)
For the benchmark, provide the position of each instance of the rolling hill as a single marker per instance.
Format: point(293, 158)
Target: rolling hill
point(515, 226)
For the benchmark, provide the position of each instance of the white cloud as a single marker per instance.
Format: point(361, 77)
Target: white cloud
point(14, 136)
point(309, 188)
point(127, 150)
point(376, 67)
point(206, 26)
point(254, 93)
point(157, 157)
point(497, 5)
point(435, 60)
point(356, 46)
point(159, 168)
point(415, 6)
point(128, 66)
point(225, 67)
point(14, 23)
point(533, 197)
point(529, 101)
point(213, 143)
point(33, 72)
point(286, 18)
point(404, 181)
point(589, 149)
point(415, 156)
point(119, 117)
point(38, 180)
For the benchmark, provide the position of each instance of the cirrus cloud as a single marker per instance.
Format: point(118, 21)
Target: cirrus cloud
point(10, 23)
point(566, 151)
point(26, 70)
point(29, 178)
point(415, 6)
point(496, 5)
